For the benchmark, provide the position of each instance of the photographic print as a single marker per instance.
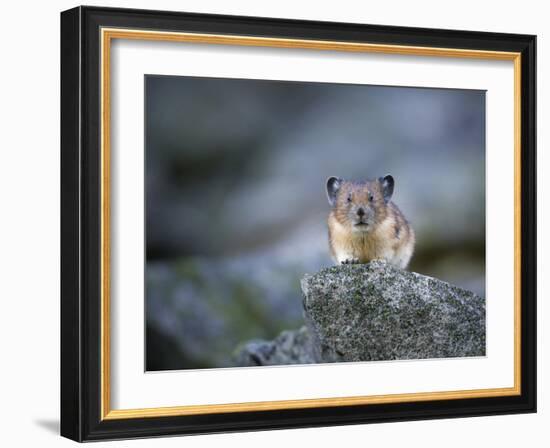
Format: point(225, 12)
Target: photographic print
point(304, 222)
point(326, 208)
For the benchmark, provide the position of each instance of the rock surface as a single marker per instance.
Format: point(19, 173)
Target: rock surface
point(290, 347)
point(373, 312)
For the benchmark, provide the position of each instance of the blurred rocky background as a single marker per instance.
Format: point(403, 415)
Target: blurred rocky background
point(236, 206)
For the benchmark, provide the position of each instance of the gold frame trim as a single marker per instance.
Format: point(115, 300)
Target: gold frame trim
point(107, 35)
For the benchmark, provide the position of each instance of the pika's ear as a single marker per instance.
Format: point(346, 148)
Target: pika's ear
point(387, 183)
point(333, 185)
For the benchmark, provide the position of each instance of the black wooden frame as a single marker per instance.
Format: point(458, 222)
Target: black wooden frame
point(80, 224)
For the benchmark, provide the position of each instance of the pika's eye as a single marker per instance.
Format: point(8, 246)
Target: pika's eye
point(349, 197)
point(371, 197)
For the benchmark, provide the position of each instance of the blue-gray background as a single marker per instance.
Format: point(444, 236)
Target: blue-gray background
point(236, 207)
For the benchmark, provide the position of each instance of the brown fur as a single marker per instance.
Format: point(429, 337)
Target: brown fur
point(386, 233)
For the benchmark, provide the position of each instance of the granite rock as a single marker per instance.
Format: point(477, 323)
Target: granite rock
point(372, 312)
point(375, 312)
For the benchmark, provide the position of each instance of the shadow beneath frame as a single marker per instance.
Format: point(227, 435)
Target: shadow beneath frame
point(51, 426)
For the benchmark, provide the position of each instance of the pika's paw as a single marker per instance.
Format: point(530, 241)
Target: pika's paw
point(350, 261)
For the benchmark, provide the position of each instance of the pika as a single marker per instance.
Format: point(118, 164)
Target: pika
point(365, 225)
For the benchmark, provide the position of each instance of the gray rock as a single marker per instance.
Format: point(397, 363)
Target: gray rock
point(290, 347)
point(373, 312)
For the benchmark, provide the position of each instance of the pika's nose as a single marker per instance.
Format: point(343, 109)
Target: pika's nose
point(360, 212)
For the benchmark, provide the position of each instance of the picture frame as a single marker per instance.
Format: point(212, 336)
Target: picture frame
point(86, 207)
